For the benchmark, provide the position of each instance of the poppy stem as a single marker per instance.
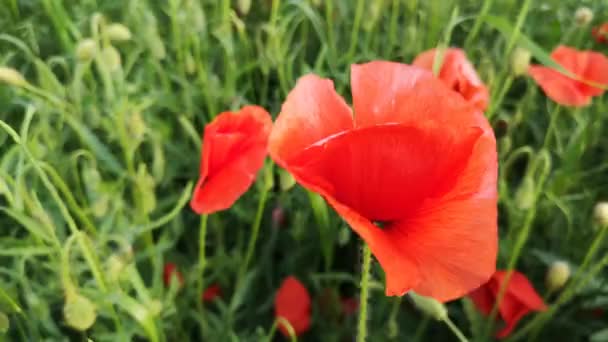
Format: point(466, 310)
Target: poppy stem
point(455, 330)
point(551, 128)
point(365, 274)
point(202, 261)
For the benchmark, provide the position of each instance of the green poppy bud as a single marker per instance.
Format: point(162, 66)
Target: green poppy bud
point(118, 32)
point(600, 214)
point(557, 275)
point(243, 7)
point(520, 61)
point(429, 306)
point(525, 197)
point(12, 77)
point(110, 57)
point(79, 312)
point(86, 50)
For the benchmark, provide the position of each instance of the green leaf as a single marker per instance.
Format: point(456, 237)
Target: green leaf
point(31, 225)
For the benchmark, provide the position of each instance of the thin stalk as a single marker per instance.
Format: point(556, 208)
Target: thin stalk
point(355, 32)
point(255, 231)
point(202, 261)
point(455, 330)
point(551, 128)
point(365, 275)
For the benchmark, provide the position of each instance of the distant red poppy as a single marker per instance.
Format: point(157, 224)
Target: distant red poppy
point(170, 270)
point(292, 302)
point(211, 293)
point(600, 33)
point(349, 305)
point(520, 298)
point(458, 73)
point(415, 157)
point(234, 148)
point(588, 65)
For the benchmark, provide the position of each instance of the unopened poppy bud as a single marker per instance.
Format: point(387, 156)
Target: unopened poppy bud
point(190, 64)
point(286, 180)
point(243, 7)
point(114, 267)
point(429, 306)
point(111, 58)
point(4, 323)
point(600, 214)
point(118, 32)
point(136, 126)
point(12, 77)
point(520, 61)
point(557, 275)
point(86, 50)
point(79, 312)
point(524, 197)
point(583, 16)
point(101, 205)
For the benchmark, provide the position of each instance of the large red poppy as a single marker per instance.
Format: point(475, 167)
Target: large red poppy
point(458, 73)
point(415, 157)
point(587, 65)
point(292, 302)
point(234, 148)
point(519, 299)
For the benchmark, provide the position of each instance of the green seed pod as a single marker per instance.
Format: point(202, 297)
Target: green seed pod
point(525, 197)
point(557, 275)
point(110, 57)
point(86, 50)
point(243, 7)
point(520, 61)
point(600, 214)
point(12, 77)
point(79, 312)
point(429, 306)
point(118, 32)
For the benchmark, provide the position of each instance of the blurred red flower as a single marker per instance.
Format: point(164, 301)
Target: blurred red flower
point(519, 299)
point(349, 305)
point(587, 65)
point(170, 270)
point(234, 148)
point(211, 293)
point(459, 75)
point(292, 302)
point(600, 33)
point(415, 157)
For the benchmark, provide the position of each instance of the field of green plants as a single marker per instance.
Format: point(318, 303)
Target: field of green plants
point(173, 170)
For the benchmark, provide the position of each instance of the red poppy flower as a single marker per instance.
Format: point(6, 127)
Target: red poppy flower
point(415, 157)
point(600, 33)
point(519, 299)
point(588, 65)
point(169, 271)
point(211, 293)
point(292, 302)
point(349, 305)
point(234, 148)
point(459, 74)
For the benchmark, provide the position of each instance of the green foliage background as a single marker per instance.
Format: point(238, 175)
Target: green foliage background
point(98, 159)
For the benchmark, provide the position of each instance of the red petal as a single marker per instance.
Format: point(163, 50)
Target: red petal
point(312, 111)
point(234, 149)
point(292, 302)
point(386, 172)
point(212, 292)
point(386, 92)
point(596, 71)
point(483, 298)
point(558, 87)
point(458, 74)
point(169, 271)
point(520, 288)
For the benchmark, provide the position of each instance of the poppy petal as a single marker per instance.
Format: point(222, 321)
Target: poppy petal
point(385, 172)
point(234, 149)
point(312, 111)
point(520, 287)
point(387, 92)
point(292, 302)
point(483, 298)
point(596, 71)
point(558, 87)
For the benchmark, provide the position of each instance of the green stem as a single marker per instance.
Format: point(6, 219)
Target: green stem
point(477, 26)
point(201, 265)
point(255, 231)
point(365, 275)
point(552, 120)
point(455, 330)
point(501, 95)
point(355, 32)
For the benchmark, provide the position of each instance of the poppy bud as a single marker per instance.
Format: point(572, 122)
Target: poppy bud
point(114, 267)
point(12, 77)
point(145, 185)
point(429, 306)
point(136, 126)
point(243, 7)
point(524, 197)
point(79, 312)
point(101, 205)
point(190, 64)
point(583, 16)
point(600, 214)
point(111, 58)
point(520, 61)
point(86, 50)
point(118, 32)
point(557, 275)
point(286, 180)
point(4, 323)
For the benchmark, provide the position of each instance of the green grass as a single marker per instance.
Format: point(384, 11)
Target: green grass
point(98, 159)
